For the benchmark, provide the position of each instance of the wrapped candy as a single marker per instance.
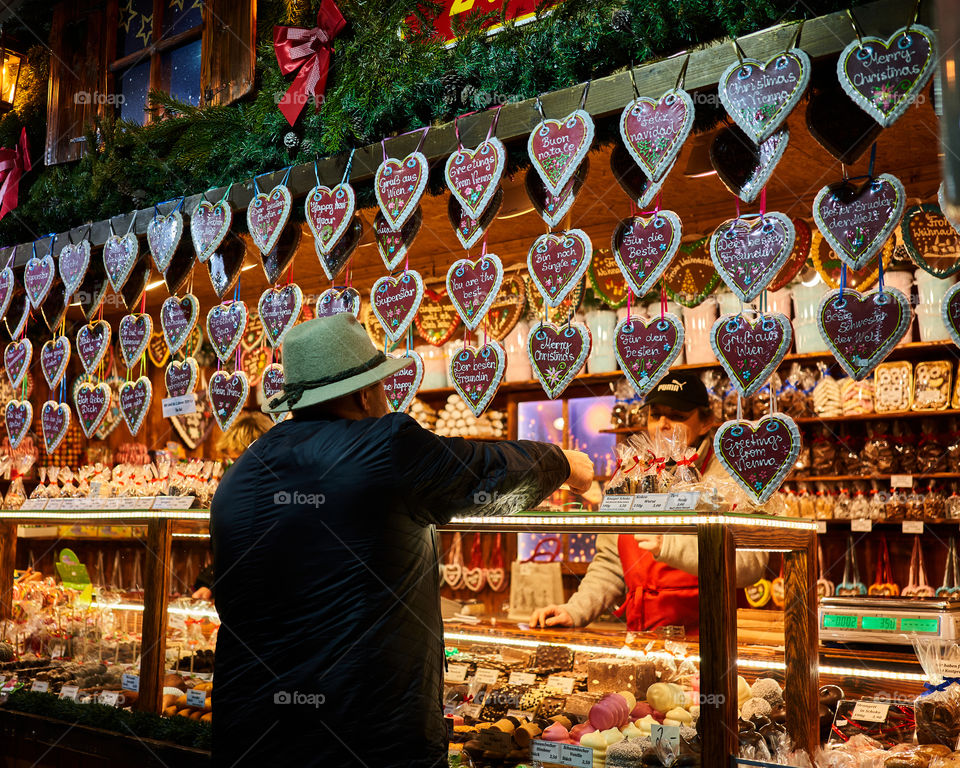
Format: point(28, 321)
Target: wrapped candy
point(938, 708)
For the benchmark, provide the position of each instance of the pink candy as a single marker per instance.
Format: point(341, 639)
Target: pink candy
point(556, 732)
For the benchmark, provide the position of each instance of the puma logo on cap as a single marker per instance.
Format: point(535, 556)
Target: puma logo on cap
point(672, 386)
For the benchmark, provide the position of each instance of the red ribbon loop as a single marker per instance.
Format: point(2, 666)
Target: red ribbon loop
point(689, 461)
point(310, 51)
point(13, 164)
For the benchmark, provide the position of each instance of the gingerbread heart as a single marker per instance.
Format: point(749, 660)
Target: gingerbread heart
point(837, 124)
point(333, 301)
point(507, 307)
point(15, 320)
point(279, 310)
point(557, 354)
point(742, 166)
point(931, 240)
point(831, 268)
point(37, 278)
point(476, 373)
point(177, 319)
point(157, 349)
point(119, 255)
point(181, 378)
point(797, 258)
point(132, 291)
point(553, 207)
point(468, 229)
point(399, 185)
point(54, 358)
point(646, 349)
point(950, 312)
point(16, 360)
point(633, 181)
point(401, 387)
point(758, 455)
point(607, 279)
point(93, 402)
point(557, 262)
point(54, 423)
point(18, 416)
point(557, 147)
point(750, 351)
point(163, 237)
point(93, 340)
point(135, 398)
point(228, 394)
point(7, 285)
point(472, 287)
point(254, 362)
point(858, 219)
point(225, 263)
point(329, 213)
point(861, 329)
point(209, 224)
point(267, 215)
point(394, 244)
point(437, 318)
point(474, 578)
point(54, 307)
point(644, 246)
point(92, 289)
point(271, 385)
point(496, 578)
point(277, 261)
point(452, 574)
point(749, 252)
point(334, 261)
point(473, 176)
point(395, 301)
point(73, 262)
point(653, 131)
point(225, 326)
point(941, 201)
point(134, 335)
point(884, 77)
point(759, 96)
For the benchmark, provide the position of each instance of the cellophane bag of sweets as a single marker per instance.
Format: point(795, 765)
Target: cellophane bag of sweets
point(938, 707)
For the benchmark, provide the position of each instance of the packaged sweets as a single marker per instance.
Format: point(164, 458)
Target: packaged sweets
point(826, 398)
point(934, 504)
point(932, 451)
point(878, 455)
point(790, 399)
point(938, 711)
point(931, 387)
point(904, 446)
point(824, 452)
point(856, 397)
point(893, 387)
point(849, 446)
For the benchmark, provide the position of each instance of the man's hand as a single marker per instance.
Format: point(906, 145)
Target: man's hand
point(652, 543)
point(203, 593)
point(581, 471)
point(551, 616)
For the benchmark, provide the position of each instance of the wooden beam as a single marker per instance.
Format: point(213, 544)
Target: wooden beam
point(156, 587)
point(822, 36)
point(801, 645)
point(8, 556)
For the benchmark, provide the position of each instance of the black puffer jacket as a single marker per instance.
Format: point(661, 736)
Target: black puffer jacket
point(331, 648)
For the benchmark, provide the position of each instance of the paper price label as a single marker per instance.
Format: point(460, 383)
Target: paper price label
point(496, 741)
point(576, 756)
point(69, 692)
point(821, 526)
point(40, 685)
point(901, 481)
point(34, 504)
point(109, 698)
point(471, 711)
point(196, 698)
point(650, 502)
point(949, 668)
point(861, 525)
point(870, 711)
point(448, 709)
point(456, 673)
point(173, 502)
point(486, 676)
point(685, 501)
point(179, 406)
point(912, 526)
point(520, 714)
point(545, 751)
point(522, 678)
point(561, 683)
point(616, 503)
point(665, 733)
point(130, 682)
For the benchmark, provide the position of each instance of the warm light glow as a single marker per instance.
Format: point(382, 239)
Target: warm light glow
point(558, 424)
point(9, 72)
point(153, 285)
point(205, 612)
point(950, 70)
point(103, 514)
point(604, 520)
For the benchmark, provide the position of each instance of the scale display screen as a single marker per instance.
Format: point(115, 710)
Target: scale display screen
point(879, 623)
point(839, 621)
point(930, 626)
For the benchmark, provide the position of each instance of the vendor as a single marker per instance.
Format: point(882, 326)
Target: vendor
point(656, 574)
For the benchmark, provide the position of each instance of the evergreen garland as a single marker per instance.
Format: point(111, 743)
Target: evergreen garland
point(379, 85)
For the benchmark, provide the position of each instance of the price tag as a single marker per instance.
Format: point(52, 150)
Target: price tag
point(130, 682)
point(616, 503)
point(34, 504)
point(40, 685)
point(650, 502)
point(949, 668)
point(563, 684)
point(522, 678)
point(520, 714)
point(665, 733)
point(179, 406)
point(196, 698)
point(133, 502)
point(685, 501)
point(69, 692)
point(54, 504)
point(471, 711)
point(496, 741)
point(456, 673)
point(861, 525)
point(912, 526)
point(576, 756)
point(173, 502)
point(821, 526)
point(109, 698)
point(448, 709)
point(486, 676)
point(870, 711)
point(901, 481)
point(545, 751)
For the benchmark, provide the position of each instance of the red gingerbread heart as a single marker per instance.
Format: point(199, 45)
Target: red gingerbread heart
point(208, 226)
point(473, 176)
point(18, 416)
point(646, 349)
point(134, 335)
point(333, 301)
point(758, 454)
point(228, 394)
point(279, 310)
point(37, 278)
point(557, 147)
point(395, 301)
point(476, 374)
point(472, 287)
point(74, 260)
point(225, 326)
point(644, 246)
point(181, 378)
point(399, 185)
point(267, 215)
point(163, 237)
point(119, 257)
point(54, 357)
point(653, 131)
point(329, 213)
point(54, 423)
point(93, 340)
point(177, 319)
point(135, 397)
point(16, 360)
point(557, 354)
point(557, 262)
point(93, 402)
point(401, 387)
point(750, 351)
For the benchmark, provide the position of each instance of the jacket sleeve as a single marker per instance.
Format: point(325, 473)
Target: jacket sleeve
point(443, 477)
point(682, 552)
point(602, 585)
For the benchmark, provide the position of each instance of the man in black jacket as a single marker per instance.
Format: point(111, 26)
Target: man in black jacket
point(330, 651)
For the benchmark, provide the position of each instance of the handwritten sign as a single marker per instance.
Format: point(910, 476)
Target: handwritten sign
point(196, 698)
point(486, 676)
point(456, 673)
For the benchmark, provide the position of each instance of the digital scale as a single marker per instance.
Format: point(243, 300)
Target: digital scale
point(887, 620)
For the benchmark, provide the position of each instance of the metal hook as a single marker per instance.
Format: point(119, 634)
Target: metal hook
point(633, 79)
point(795, 43)
point(856, 26)
point(682, 77)
point(539, 105)
point(739, 50)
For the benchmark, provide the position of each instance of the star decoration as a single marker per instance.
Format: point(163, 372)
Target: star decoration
point(129, 15)
point(176, 4)
point(146, 28)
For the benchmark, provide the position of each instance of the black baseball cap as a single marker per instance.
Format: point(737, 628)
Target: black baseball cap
point(681, 391)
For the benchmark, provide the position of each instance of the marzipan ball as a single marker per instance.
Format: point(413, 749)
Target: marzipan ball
point(768, 689)
point(753, 707)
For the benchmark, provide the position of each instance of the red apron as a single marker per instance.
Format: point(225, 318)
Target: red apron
point(657, 595)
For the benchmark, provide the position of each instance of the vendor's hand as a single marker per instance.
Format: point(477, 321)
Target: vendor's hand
point(203, 593)
point(551, 616)
point(652, 544)
point(581, 471)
